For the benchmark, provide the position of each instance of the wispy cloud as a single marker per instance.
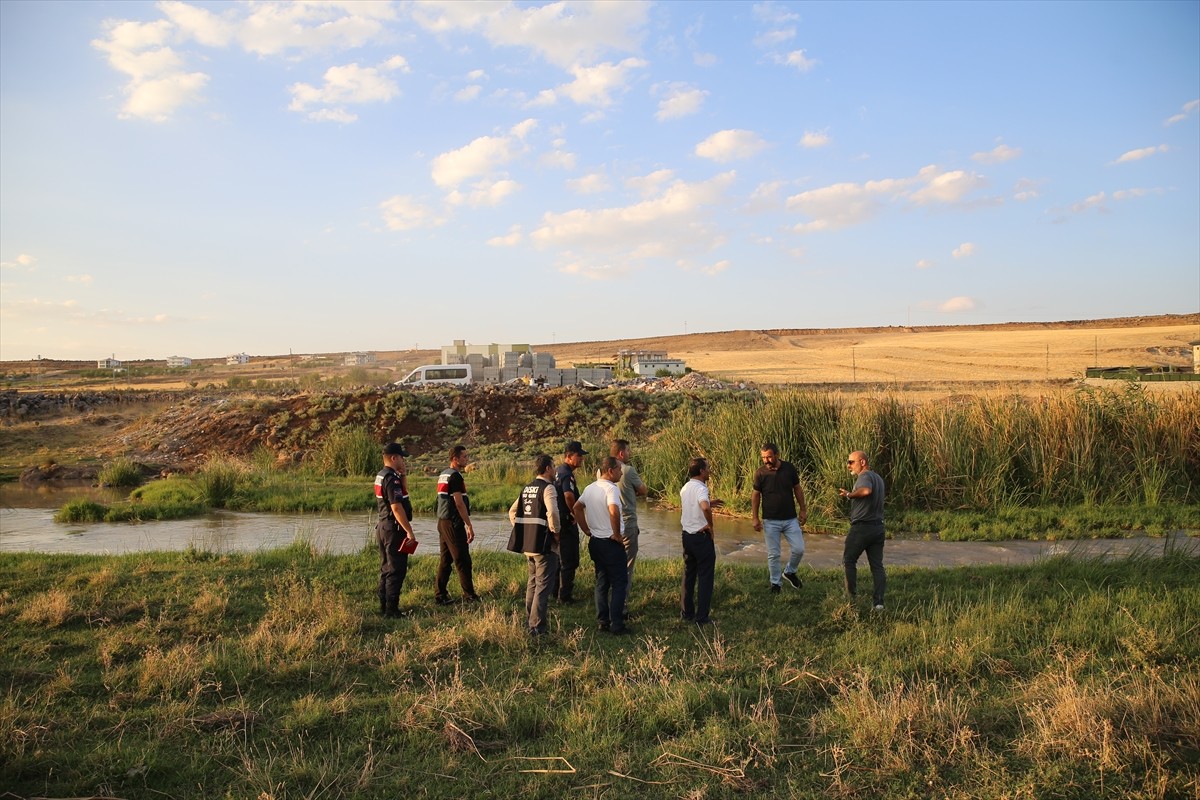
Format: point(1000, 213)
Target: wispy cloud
point(404, 212)
point(23, 262)
point(797, 59)
point(843, 204)
point(998, 155)
point(957, 304)
point(1139, 154)
point(1188, 109)
point(924, 263)
point(593, 86)
point(964, 250)
point(593, 183)
point(482, 158)
point(511, 239)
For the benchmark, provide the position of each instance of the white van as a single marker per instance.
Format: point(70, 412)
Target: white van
point(437, 374)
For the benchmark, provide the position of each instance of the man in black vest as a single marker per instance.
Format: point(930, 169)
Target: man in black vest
point(535, 520)
point(568, 493)
point(393, 528)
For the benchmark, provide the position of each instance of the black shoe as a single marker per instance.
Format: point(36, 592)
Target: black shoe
point(686, 618)
point(471, 598)
point(395, 613)
point(603, 626)
point(776, 588)
point(443, 600)
point(623, 631)
point(566, 601)
point(791, 578)
point(700, 623)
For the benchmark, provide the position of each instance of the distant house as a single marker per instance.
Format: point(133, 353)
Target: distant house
point(238, 358)
point(650, 363)
point(108, 363)
point(178, 361)
point(358, 359)
point(1195, 356)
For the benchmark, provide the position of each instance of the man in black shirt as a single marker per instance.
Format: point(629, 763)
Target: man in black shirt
point(568, 540)
point(777, 490)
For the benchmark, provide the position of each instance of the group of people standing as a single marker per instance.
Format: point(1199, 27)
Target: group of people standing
point(550, 513)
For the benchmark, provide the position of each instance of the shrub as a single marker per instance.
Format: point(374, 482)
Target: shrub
point(218, 481)
point(81, 509)
point(348, 452)
point(120, 472)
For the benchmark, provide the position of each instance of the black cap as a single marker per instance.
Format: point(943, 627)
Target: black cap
point(394, 449)
point(574, 447)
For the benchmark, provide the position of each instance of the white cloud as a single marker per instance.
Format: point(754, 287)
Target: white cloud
point(468, 93)
point(558, 159)
point(481, 158)
point(403, 213)
point(651, 184)
point(717, 268)
point(797, 59)
point(1096, 201)
point(946, 187)
point(593, 86)
point(1188, 109)
point(484, 193)
point(594, 183)
point(513, 238)
point(1025, 190)
point(765, 198)
point(200, 24)
point(843, 204)
point(564, 33)
point(23, 262)
point(924, 263)
point(673, 225)
point(345, 85)
point(956, 304)
point(679, 100)
point(998, 154)
point(775, 38)
point(158, 83)
point(396, 64)
point(275, 28)
point(1139, 154)
point(84, 279)
point(730, 145)
point(815, 139)
point(773, 13)
point(964, 250)
point(477, 75)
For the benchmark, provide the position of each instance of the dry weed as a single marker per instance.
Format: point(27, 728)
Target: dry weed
point(303, 621)
point(51, 609)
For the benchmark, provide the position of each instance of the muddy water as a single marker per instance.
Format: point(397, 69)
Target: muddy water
point(27, 525)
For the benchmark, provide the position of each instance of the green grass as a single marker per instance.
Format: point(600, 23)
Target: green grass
point(269, 675)
point(120, 472)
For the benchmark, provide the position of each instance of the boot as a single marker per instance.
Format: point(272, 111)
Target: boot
point(392, 610)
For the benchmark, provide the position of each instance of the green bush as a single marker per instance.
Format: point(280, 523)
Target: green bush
point(218, 481)
point(81, 510)
point(120, 472)
point(348, 452)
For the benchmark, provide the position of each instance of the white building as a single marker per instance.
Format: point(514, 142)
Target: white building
point(178, 361)
point(237, 358)
point(647, 365)
point(358, 359)
point(108, 363)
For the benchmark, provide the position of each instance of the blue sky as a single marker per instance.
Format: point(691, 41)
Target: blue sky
point(185, 178)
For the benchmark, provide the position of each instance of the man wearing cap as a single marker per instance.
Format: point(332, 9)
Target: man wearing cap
point(393, 527)
point(455, 532)
point(568, 493)
point(598, 511)
point(535, 520)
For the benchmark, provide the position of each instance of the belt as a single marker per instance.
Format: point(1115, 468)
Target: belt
point(695, 533)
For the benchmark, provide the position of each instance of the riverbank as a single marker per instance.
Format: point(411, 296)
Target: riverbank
point(268, 674)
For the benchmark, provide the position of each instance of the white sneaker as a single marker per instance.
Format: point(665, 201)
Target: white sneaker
point(878, 608)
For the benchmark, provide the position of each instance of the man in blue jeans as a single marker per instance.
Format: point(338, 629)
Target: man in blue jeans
point(866, 527)
point(777, 490)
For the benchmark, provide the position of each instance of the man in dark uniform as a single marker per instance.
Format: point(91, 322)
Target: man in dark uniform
point(568, 493)
point(535, 520)
point(455, 532)
point(393, 528)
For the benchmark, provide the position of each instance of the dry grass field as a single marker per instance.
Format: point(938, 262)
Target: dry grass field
point(956, 358)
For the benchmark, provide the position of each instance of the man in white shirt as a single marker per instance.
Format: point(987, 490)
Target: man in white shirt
point(699, 552)
point(598, 512)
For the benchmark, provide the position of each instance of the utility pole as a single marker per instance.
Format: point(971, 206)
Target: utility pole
point(853, 367)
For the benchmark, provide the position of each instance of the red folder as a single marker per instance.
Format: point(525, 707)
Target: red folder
point(408, 545)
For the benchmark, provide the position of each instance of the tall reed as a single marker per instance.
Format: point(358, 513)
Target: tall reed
point(979, 453)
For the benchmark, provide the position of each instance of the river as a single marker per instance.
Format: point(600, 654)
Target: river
point(27, 525)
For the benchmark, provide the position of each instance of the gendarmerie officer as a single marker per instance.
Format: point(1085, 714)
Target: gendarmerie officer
point(393, 527)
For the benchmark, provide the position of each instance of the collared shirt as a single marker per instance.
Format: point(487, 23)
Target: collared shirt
point(596, 499)
point(629, 484)
point(693, 493)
